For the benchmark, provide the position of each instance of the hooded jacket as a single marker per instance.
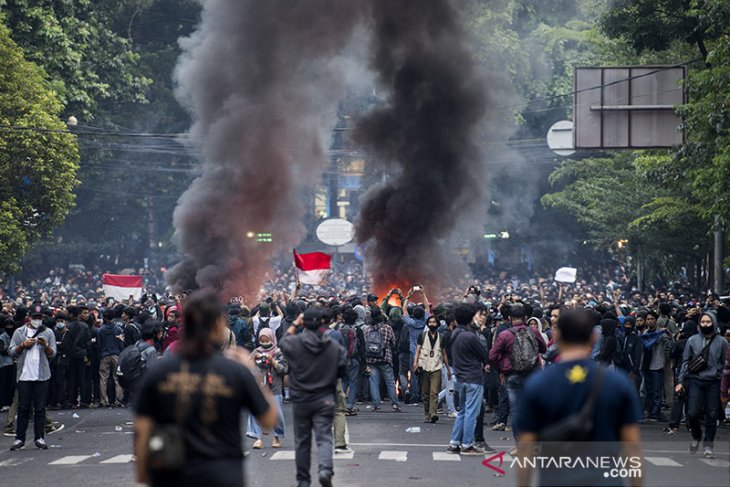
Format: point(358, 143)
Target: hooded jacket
point(107, 340)
point(715, 355)
point(310, 356)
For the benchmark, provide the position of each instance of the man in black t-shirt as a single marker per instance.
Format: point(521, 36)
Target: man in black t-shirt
point(560, 391)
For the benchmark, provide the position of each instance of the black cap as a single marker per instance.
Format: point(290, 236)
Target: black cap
point(36, 311)
point(372, 297)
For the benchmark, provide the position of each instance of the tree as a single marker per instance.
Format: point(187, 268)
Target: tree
point(38, 157)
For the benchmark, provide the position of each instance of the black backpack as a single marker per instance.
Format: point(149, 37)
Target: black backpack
point(374, 346)
point(131, 365)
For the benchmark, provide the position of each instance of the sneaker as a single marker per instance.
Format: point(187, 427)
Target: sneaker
point(41, 443)
point(276, 442)
point(439, 410)
point(396, 408)
point(499, 427)
point(325, 480)
point(708, 452)
point(17, 445)
point(453, 449)
point(9, 432)
point(54, 429)
point(484, 446)
point(258, 444)
point(472, 451)
point(508, 428)
point(377, 409)
point(4, 409)
point(694, 446)
point(434, 418)
point(350, 412)
point(453, 415)
point(342, 450)
point(670, 431)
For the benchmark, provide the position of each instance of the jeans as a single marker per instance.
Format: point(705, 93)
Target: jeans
point(387, 371)
point(470, 397)
point(514, 384)
point(654, 382)
point(430, 386)
point(447, 392)
point(353, 380)
point(32, 394)
point(317, 415)
point(703, 393)
point(107, 372)
point(253, 429)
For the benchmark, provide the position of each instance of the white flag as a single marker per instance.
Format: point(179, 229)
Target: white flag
point(566, 274)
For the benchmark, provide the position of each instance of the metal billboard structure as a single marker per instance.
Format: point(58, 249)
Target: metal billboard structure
point(628, 107)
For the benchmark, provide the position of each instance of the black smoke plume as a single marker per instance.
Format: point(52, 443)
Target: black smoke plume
point(426, 137)
point(258, 80)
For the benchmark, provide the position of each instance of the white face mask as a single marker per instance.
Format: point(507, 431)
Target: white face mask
point(36, 323)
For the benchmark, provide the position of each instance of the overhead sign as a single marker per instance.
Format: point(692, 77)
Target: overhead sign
point(335, 232)
point(629, 107)
point(560, 138)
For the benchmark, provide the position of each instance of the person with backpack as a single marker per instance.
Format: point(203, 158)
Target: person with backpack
point(379, 344)
point(264, 319)
point(578, 400)
point(352, 336)
point(132, 329)
point(516, 354)
point(701, 373)
point(135, 360)
point(430, 359)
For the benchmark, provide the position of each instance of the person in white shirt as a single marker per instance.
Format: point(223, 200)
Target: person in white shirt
point(33, 345)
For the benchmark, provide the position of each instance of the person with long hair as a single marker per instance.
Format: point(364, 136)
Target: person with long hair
point(188, 410)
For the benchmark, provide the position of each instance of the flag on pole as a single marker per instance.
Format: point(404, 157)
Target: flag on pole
point(566, 274)
point(313, 267)
point(121, 287)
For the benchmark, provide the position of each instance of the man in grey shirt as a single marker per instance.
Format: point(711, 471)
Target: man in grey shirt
point(33, 345)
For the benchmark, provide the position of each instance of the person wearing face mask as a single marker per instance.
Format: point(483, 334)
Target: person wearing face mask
point(33, 345)
point(59, 399)
point(271, 368)
point(430, 358)
point(702, 381)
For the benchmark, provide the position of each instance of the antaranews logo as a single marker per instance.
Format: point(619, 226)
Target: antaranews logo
point(499, 456)
point(611, 466)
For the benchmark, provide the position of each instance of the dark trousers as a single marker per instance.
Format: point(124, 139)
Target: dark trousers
point(93, 388)
point(503, 405)
point(678, 406)
point(317, 415)
point(76, 380)
point(430, 388)
point(59, 385)
point(31, 394)
point(703, 394)
point(7, 385)
point(654, 384)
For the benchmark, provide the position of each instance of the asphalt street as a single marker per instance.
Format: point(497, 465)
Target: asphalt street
point(94, 448)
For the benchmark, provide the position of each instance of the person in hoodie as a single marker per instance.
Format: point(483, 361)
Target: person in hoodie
point(315, 363)
point(703, 386)
point(610, 347)
point(630, 349)
point(271, 368)
point(110, 342)
point(689, 328)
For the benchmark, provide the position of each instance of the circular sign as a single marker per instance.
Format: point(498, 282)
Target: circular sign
point(560, 138)
point(335, 231)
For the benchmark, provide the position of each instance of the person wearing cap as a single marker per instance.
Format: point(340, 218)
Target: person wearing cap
point(33, 345)
point(703, 385)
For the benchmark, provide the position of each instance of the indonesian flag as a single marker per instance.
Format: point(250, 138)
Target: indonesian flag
point(313, 267)
point(122, 287)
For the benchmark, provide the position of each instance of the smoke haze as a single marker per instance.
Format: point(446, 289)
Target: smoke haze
point(262, 81)
point(425, 136)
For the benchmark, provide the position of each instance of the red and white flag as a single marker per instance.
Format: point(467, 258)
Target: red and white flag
point(122, 287)
point(313, 267)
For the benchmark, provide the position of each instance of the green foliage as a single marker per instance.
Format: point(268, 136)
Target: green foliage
point(89, 64)
point(38, 157)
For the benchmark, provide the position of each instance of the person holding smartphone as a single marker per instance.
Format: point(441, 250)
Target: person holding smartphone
point(33, 345)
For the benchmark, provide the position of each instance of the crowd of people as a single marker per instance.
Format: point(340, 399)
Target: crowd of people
point(467, 356)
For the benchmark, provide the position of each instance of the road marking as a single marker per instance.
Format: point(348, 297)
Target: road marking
point(283, 455)
point(715, 462)
point(662, 462)
point(119, 459)
point(443, 456)
point(70, 460)
point(14, 462)
point(397, 456)
point(439, 445)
